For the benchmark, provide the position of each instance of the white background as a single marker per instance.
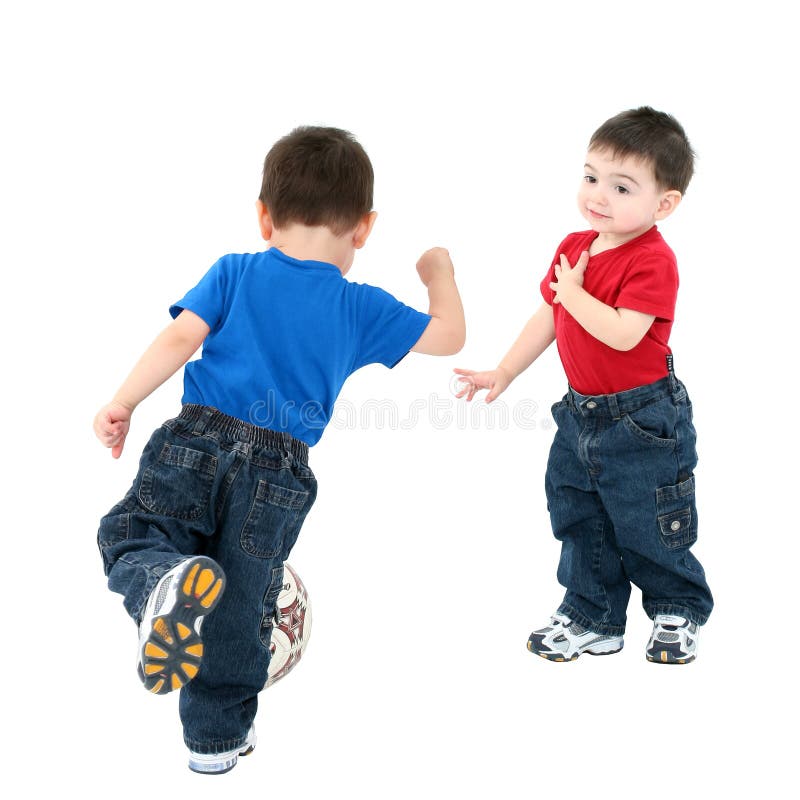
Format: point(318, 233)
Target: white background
point(133, 138)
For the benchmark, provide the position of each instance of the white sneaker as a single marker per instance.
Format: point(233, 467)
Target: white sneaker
point(170, 648)
point(565, 640)
point(673, 640)
point(218, 763)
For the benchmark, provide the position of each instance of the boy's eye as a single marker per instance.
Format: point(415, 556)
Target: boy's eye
point(590, 179)
point(621, 190)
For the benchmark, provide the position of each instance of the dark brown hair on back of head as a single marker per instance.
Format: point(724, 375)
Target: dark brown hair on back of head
point(317, 176)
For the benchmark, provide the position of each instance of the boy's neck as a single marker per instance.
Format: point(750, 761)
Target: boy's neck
point(317, 243)
point(603, 242)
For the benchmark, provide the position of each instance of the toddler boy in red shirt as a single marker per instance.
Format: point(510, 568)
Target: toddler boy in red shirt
point(620, 483)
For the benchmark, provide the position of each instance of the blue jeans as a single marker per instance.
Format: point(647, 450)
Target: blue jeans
point(621, 494)
point(212, 485)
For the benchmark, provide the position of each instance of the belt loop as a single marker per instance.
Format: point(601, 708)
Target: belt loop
point(571, 398)
point(202, 421)
point(613, 406)
point(674, 383)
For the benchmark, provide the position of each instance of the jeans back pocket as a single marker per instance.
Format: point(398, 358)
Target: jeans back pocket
point(274, 515)
point(179, 483)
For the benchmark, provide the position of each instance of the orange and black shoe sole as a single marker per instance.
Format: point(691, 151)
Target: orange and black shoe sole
point(173, 651)
point(668, 657)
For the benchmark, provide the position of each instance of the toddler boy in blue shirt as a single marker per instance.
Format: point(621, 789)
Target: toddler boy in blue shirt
point(223, 488)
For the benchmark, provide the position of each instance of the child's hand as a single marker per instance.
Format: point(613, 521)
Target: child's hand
point(433, 262)
point(111, 426)
point(567, 277)
point(495, 380)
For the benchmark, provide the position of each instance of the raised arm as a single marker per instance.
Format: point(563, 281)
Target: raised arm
point(173, 347)
point(446, 331)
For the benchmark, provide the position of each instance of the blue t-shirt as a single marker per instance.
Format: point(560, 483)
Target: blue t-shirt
point(285, 335)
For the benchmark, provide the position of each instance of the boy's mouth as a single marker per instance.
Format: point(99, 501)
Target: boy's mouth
point(596, 215)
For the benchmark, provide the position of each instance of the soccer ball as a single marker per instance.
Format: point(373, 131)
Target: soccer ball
point(292, 627)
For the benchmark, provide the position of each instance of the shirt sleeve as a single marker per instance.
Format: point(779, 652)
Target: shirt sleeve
point(651, 286)
point(207, 299)
point(544, 287)
point(387, 329)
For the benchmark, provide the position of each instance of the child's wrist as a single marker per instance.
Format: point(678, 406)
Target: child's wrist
point(567, 291)
point(443, 275)
point(507, 373)
point(121, 400)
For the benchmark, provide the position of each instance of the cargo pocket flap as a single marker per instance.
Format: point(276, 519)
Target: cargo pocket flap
point(676, 523)
point(677, 517)
point(680, 490)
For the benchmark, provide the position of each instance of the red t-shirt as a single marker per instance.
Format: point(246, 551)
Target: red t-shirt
point(642, 275)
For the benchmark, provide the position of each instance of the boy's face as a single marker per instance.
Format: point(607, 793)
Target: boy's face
point(619, 197)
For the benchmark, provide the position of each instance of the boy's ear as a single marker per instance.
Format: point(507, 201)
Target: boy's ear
point(264, 220)
point(363, 229)
point(668, 203)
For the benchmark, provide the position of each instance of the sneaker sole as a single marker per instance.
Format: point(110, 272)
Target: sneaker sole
point(203, 769)
point(561, 658)
point(211, 767)
point(665, 657)
point(173, 651)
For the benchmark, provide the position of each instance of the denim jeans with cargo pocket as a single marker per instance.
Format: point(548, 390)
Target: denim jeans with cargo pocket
point(621, 494)
point(212, 485)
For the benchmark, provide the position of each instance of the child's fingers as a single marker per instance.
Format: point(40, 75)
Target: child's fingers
point(111, 432)
point(105, 423)
point(111, 427)
point(497, 387)
point(117, 443)
point(485, 382)
point(113, 435)
point(470, 383)
point(469, 391)
point(459, 384)
point(104, 434)
point(112, 441)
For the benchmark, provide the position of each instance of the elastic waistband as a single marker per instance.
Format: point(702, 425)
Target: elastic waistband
point(615, 405)
point(206, 418)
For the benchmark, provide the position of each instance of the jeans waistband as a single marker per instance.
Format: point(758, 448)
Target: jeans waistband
point(206, 418)
point(619, 403)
